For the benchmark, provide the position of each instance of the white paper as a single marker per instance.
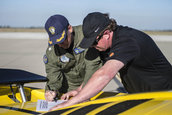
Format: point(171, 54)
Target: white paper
point(43, 105)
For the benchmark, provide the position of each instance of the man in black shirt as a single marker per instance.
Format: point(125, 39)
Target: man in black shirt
point(132, 53)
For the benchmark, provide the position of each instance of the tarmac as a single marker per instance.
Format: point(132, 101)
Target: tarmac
point(25, 50)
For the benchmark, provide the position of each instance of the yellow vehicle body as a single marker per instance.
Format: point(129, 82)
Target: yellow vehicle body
point(9, 107)
point(15, 99)
point(151, 103)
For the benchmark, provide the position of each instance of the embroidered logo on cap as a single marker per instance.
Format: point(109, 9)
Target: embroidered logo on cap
point(63, 34)
point(96, 29)
point(52, 30)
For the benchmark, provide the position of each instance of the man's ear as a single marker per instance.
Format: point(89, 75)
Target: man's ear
point(70, 29)
point(106, 34)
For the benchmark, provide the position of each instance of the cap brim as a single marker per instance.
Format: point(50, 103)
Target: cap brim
point(57, 39)
point(87, 42)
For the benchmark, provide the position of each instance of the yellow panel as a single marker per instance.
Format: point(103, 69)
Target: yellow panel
point(167, 95)
point(16, 109)
point(5, 100)
point(37, 94)
point(97, 110)
point(165, 109)
point(93, 98)
point(71, 110)
point(18, 97)
point(149, 108)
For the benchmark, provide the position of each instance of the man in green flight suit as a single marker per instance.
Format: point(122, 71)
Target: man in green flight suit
point(68, 66)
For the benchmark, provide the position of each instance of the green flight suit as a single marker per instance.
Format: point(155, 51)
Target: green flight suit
point(67, 70)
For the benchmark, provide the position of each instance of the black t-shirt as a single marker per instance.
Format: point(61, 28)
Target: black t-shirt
point(145, 67)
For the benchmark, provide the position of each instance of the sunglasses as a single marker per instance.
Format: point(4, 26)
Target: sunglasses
point(97, 40)
point(100, 36)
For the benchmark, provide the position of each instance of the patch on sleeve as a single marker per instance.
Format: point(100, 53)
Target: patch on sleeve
point(45, 59)
point(78, 50)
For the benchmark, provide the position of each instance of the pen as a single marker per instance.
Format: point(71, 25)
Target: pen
point(48, 87)
point(55, 98)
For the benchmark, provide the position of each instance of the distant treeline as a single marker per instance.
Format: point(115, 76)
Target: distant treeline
point(32, 27)
point(159, 30)
point(21, 29)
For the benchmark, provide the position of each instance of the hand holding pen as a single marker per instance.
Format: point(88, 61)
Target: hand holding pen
point(50, 95)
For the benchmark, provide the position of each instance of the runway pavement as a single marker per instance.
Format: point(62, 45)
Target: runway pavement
point(24, 50)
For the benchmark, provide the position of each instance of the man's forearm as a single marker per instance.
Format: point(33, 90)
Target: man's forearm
point(94, 85)
point(98, 81)
point(79, 88)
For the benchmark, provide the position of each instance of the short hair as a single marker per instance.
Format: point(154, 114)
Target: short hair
point(113, 23)
point(112, 26)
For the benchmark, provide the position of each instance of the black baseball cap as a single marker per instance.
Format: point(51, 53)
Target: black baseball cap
point(93, 24)
point(56, 27)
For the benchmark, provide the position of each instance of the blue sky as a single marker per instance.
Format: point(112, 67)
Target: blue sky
point(140, 14)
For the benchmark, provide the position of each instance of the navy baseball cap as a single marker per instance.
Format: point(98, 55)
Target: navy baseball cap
point(93, 24)
point(56, 27)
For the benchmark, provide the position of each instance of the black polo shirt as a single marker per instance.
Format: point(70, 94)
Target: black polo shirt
point(145, 67)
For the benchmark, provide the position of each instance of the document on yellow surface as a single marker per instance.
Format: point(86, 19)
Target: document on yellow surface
point(43, 105)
